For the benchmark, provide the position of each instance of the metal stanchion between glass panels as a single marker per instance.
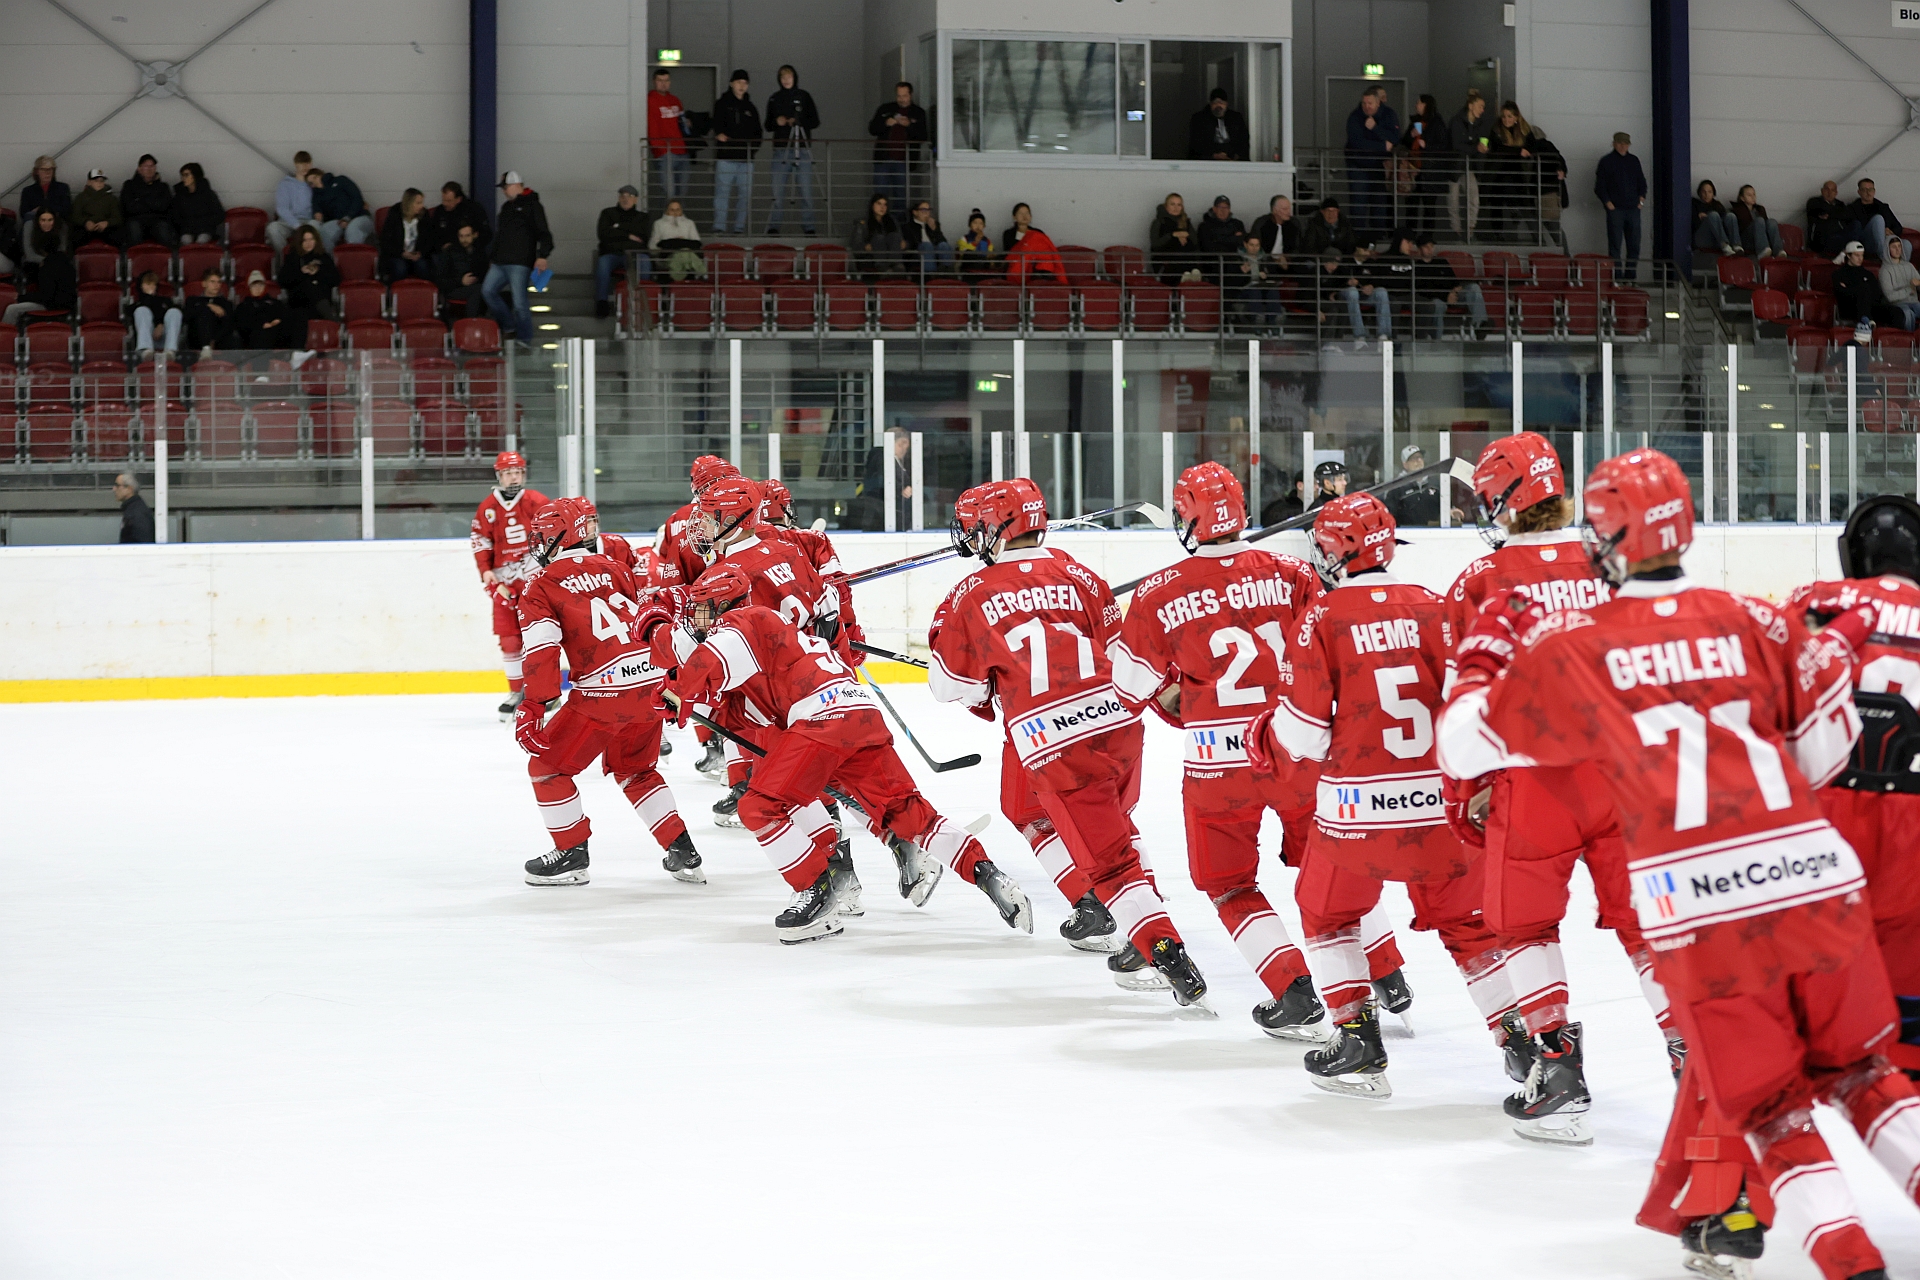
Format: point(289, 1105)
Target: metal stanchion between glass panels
point(1119, 391)
point(160, 447)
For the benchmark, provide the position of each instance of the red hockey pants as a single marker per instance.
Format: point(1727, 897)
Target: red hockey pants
point(506, 629)
point(628, 735)
point(1884, 829)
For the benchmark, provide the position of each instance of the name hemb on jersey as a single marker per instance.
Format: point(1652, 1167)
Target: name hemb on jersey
point(1572, 698)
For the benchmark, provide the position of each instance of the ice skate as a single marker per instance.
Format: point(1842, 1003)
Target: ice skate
point(1725, 1247)
point(1551, 1105)
point(726, 811)
point(1006, 896)
point(1189, 986)
point(713, 761)
point(683, 860)
point(666, 748)
point(846, 881)
point(1396, 997)
point(918, 872)
point(1355, 1063)
point(1296, 1015)
point(1133, 972)
point(1091, 928)
point(1518, 1048)
point(511, 705)
point(559, 866)
point(811, 914)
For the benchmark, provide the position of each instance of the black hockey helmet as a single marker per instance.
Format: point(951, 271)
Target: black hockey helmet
point(1882, 536)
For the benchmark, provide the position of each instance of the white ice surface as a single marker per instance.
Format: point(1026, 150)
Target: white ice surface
point(274, 1002)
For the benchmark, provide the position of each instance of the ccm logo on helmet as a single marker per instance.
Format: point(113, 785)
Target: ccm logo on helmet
point(1665, 511)
point(1541, 466)
point(1039, 504)
point(1377, 536)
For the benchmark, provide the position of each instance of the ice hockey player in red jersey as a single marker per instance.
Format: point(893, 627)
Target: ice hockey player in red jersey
point(1875, 800)
point(500, 538)
point(821, 726)
point(1029, 631)
point(1359, 684)
point(1535, 824)
point(1201, 646)
point(679, 565)
point(776, 520)
point(584, 604)
point(1712, 717)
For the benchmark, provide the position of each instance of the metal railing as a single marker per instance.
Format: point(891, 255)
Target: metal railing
point(833, 179)
point(1479, 200)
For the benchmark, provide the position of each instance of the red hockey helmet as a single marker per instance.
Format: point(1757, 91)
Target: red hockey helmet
point(1352, 534)
point(1515, 472)
point(777, 504)
point(508, 460)
point(730, 503)
point(722, 587)
point(1208, 503)
point(563, 523)
point(707, 468)
point(1639, 505)
point(1006, 510)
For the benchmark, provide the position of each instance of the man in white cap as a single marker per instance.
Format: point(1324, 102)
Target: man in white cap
point(96, 212)
point(1857, 297)
point(1416, 504)
point(521, 244)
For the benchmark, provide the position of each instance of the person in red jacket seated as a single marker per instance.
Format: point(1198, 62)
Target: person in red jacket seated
point(1031, 256)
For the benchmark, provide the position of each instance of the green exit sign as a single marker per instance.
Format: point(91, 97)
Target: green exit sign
point(668, 55)
point(1373, 68)
point(986, 384)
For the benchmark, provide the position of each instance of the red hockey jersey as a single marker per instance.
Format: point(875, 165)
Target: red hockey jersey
point(1359, 685)
point(817, 550)
point(1890, 660)
point(1031, 630)
point(1551, 566)
point(1216, 625)
point(502, 531)
point(783, 580)
point(583, 603)
point(641, 561)
point(680, 564)
point(780, 674)
point(1709, 715)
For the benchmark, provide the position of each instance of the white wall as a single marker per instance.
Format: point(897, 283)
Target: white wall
point(1224, 19)
point(304, 608)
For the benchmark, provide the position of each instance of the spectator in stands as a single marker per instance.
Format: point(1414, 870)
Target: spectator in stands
point(736, 136)
point(1870, 220)
point(308, 278)
point(9, 242)
point(1440, 288)
point(339, 208)
point(1031, 256)
point(1252, 285)
point(876, 242)
point(263, 322)
point(1621, 185)
point(793, 118)
point(136, 517)
point(1290, 503)
point(899, 128)
point(1369, 280)
point(1470, 134)
point(869, 503)
point(210, 322)
point(1217, 131)
point(41, 193)
point(1170, 246)
point(1713, 226)
point(675, 235)
point(925, 244)
point(520, 248)
point(976, 252)
point(463, 270)
point(624, 228)
point(1279, 233)
point(1218, 239)
point(96, 212)
point(198, 215)
point(667, 136)
point(1372, 131)
point(292, 203)
point(146, 202)
point(151, 309)
point(1827, 220)
point(56, 287)
point(1425, 154)
point(1897, 283)
point(1330, 230)
point(1417, 504)
point(454, 211)
point(1856, 292)
point(404, 240)
point(46, 228)
point(1531, 176)
point(1759, 233)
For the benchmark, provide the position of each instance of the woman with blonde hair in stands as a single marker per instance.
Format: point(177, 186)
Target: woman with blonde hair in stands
point(1529, 173)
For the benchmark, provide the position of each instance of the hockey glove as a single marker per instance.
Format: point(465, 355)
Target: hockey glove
point(1818, 603)
point(855, 636)
point(671, 707)
point(653, 613)
point(527, 732)
point(1851, 628)
point(1261, 752)
point(1466, 802)
point(1493, 639)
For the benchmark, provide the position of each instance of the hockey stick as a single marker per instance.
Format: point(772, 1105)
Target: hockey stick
point(891, 567)
point(888, 654)
point(1447, 468)
point(938, 766)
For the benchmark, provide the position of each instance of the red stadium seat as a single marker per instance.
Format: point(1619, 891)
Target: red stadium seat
point(380, 220)
point(142, 258)
point(424, 336)
point(1583, 312)
point(1100, 307)
point(50, 383)
point(1464, 267)
point(216, 428)
point(1200, 308)
point(1150, 306)
point(898, 304)
point(198, 259)
point(1770, 306)
point(392, 428)
point(8, 296)
point(104, 382)
point(825, 263)
point(1551, 270)
point(1596, 270)
point(743, 307)
point(362, 300)
point(949, 306)
point(1049, 307)
point(335, 426)
point(49, 341)
point(1123, 262)
point(356, 261)
point(692, 306)
point(370, 335)
point(247, 259)
point(846, 304)
point(1734, 272)
point(774, 263)
point(1814, 308)
point(99, 302)
point(476, 334)
point(1780, 273)
point(415, 300)
point(1538, 313)
point(324, 335)
point(247, 225)
point(1504, 268)
point(215, 382)
point(999, 306)
point(1795, 238)
point(96, 263)
point(50, 433)
point(793, 306)
point(435, 377)
point(1632, 311)
point(1818, 273)
point(443, 426)
point(726, 263)
point(1083, 263)
point(102, 340)
point(276, 429)
point(486, 380)
point(105, 428)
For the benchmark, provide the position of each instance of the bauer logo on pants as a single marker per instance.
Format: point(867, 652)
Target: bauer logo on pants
point(1746, 876)
point(1068, 721)
point(1383, 802)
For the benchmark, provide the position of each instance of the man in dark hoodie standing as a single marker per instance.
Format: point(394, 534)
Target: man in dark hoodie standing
point(793, 118)
point(521, 243)
point(146, 202)
point(736, 136)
